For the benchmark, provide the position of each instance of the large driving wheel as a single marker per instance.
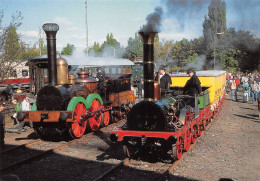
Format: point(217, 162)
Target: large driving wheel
point(177, 149)
point(188, 140)
point(194, 134)
point(105, 118)
point(78, 127)
point(94, 119)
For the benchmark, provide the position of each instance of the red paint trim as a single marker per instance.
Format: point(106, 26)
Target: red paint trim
point(15, 81)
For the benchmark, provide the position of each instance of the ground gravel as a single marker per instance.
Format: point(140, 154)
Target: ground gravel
point(228, 149)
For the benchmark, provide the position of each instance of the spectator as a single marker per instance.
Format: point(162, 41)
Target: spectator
point(2, 124)
point(165, 80)
point(237, 80)
point(257, 79)
point(233, 88)
point(16, 109)
point(133, 89)
point(25, 105)
point(140, 87)
point(255, 89)
point(245, 91)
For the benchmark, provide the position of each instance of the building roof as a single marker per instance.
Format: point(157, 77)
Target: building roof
point(203, 73)
point(90, 61)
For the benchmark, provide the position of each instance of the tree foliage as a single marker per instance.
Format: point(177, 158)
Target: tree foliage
point(134, 48)
point(68, 50)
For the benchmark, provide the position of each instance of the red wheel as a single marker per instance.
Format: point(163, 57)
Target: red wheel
point(78, 126)
point(200, 130)
point(94, 120)
point(194, 134)
point(105, 118)
point(188, 140)
point(177, 149)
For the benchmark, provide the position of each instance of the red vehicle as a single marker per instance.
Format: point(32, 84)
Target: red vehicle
point(168, 123)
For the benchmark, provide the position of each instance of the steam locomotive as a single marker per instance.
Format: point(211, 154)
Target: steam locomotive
point(168, 123)
point(70, 105)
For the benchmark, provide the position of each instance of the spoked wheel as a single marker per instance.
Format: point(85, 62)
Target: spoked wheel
point(194, 134)
point(130, 148)
point(105, 118)
point(94, 120)
point(188, 140)
point(78, 127)
point(200, 129)
point(177, 149)
point(205, 123)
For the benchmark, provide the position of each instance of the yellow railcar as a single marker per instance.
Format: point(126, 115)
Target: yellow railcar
point(212, 80)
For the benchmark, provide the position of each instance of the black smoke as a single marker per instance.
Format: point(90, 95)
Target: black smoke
point(154, 21)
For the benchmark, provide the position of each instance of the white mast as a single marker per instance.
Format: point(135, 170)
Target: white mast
point(86, 27)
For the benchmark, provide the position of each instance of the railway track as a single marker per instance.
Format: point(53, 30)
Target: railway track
point(35, 150)
point(162, 170)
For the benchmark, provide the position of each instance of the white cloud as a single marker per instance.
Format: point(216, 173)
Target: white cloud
point(62, 21)
point(29, 34)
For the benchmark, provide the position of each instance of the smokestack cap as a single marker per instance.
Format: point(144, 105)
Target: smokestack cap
point(50, 27)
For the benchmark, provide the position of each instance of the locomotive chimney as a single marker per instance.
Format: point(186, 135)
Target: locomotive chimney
point(148, 58)
point(51, 30)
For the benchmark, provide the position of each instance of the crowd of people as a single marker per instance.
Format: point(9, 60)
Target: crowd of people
point(250, 84)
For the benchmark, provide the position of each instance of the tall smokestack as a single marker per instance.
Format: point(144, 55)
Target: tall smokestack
point(148, 58)
point(51, 30)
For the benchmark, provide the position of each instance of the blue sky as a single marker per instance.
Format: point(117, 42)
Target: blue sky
point(121, 17)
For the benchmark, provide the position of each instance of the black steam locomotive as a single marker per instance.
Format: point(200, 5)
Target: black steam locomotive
point(74, 105)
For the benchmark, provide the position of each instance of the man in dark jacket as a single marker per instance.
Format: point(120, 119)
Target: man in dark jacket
point(165, 80)
point(192, 86)
point(2, 124)
point(101, 77)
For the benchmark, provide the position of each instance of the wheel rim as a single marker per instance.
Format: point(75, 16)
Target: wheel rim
point(177, 149)
point(200, 130)
point(194, 134)
point(105, 118)
point(95, 118)
point(188, 142)
point(78, 126)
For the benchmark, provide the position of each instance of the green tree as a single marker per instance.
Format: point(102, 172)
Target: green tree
point(111, 47)
point(95, 50)
point(43, 48)
point(134, 48)
point(67, 50)
point(9, 44)
point(12, 47)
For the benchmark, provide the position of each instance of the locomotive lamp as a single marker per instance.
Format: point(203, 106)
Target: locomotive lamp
point(51, 30)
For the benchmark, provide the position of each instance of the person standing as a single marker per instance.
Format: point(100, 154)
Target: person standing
point(255, 88)
point(245, 91)
point(16, 109)
point(2, 124)
point(192, 86)
point(233, 88)
point(140, 87)
point(101, 81)
point(165, 80)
